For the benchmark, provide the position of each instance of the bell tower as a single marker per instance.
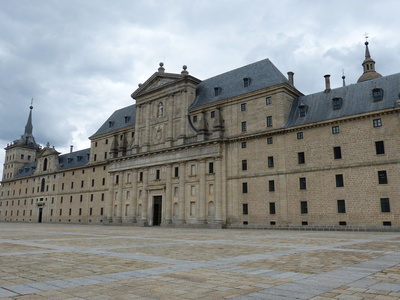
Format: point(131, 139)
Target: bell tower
point(20, 152)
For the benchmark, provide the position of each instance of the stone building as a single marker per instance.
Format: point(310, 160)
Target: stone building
point(241, 149)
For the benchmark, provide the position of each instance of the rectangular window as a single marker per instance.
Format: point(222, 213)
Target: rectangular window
point(243, 107)
point(335, 129)
point(92, 182)
point(300, 135)
point(301, 158)
point(194, 119)
point(271, 185)
point(268, 101)
point(244, 127)
point(101, 211)
point(116, 179)
point(385, 205)
point(244, 165)
point(244, 145)
point(91, 197)
point(90, 211)
point(269, 121)
point(270, 141)
point(380, 147)
point(270, 161)
point(102, 196)
point(272, 210)
point(140, 176)
point(382, 177)
point(244, 188)
point(341, 205)
point(303, 183)
point(245, 209)
point(337, 152)
point(157, 174)
point(70, 211)
point(80, 211)
point(212, 114)
point(103, 182)
point(211, 168)
point(304, 207)
point(82, 183)
point(176, 172)
point(377, 123)
point(339, 180)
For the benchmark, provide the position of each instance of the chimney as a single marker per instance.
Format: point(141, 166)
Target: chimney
point(71, 148)
point(290, 77)
point(327, 84)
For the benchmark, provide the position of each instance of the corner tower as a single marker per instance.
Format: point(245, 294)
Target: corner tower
point(369, 67)
point(20, 152)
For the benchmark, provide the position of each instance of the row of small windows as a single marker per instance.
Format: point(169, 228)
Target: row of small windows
point(337, 102)
point(304, 209)
point(243, 107)
point(339, 180)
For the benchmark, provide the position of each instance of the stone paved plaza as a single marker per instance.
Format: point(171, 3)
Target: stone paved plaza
point(48, 261)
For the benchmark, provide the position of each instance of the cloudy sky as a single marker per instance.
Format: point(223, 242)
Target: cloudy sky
point(81, 59)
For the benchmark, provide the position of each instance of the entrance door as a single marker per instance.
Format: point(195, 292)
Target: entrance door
point(40, 214)
point(157, 209)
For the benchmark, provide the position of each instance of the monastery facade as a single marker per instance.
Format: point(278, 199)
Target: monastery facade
point(241, 149)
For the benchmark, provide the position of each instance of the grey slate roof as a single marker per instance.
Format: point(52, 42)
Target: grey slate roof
point(74, 159)
point(357, 99)
point(118, 120)
point(26, 170)
point(262, 74)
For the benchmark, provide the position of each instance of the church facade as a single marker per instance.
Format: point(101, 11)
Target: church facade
point(241, 149)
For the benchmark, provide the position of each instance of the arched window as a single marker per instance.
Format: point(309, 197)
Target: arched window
point(43, 183)
point(45, 164)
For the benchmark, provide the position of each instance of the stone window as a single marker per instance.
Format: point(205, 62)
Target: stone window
point(158, 174)
point(380, 147)
point(270, 140)
point(270, 161)
point(300, 135)
point(211, 168)
point(212, 114)
point(176, 172)
point(339, 180)
point(303, 183)
point(377, 122)
point(304, 207)
point(385, 205)
point(341, 205)
point(268, 101)
point(243, 107)
point(271, 185)
point(244, 188)
point(301, 158)
point(244, 145)
point(335, 129)
point(337, 152)
point(244, 165)
point(245, 209)
point(272, 210)
point(269, 121)
point(382, 177)
point(244, 126)
point(140, 176)
point(194, 119)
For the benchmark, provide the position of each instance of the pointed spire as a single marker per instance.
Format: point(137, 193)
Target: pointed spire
point(29, 126)
point(369, 66)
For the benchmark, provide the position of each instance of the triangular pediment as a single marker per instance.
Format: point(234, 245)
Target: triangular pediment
point(47, 151)
point(156, 81)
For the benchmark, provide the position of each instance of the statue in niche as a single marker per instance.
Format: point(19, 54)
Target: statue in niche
point(158, 133)
point(160, 111)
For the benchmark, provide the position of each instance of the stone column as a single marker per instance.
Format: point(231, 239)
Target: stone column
point(146, 143)
point(168, 195)
point(110, 197)
point(170, 114)
point(119, 199)
point(182, 132)
point(218, 190)
point(202, 192)
point(182, 194)
point(133, 201)
point(145, 197)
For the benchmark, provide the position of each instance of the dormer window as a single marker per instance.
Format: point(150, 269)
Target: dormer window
point(337, 103)
point(127, 119)
point(217, 91)
point(79, 158)
point(110, 124)
point(246, 81)
point(70, 159)
point(302, 110)
point(377, 94)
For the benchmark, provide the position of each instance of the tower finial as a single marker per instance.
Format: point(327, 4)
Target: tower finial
point(343, 77)
point(31, 107)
